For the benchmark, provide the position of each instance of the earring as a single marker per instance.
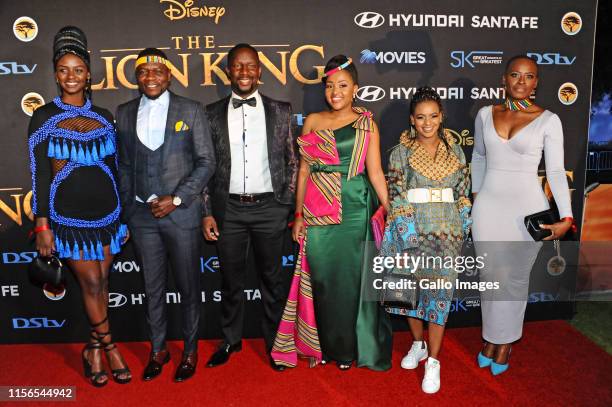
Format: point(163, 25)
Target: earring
point(413, 133)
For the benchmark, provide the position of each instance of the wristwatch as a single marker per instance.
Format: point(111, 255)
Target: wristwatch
point(176, 200)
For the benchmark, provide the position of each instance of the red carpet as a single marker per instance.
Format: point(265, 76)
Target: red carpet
point(552, 365)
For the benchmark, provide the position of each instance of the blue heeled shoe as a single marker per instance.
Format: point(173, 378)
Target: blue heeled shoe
point(497, 369)
point(484, 361)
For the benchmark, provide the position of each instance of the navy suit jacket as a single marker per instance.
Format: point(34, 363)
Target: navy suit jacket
point(188, 158)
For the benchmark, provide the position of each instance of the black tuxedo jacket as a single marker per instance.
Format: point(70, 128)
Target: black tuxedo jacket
point(282, 155)
point(187, 156)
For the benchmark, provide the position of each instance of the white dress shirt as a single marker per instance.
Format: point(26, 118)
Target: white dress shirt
point(250, 169)
point(151, 124)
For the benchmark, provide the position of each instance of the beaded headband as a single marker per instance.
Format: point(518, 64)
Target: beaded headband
point(154, 59)
point(338, 68)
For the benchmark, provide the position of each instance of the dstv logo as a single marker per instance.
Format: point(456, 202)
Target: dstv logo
point(37, 323)
point(18, 258)
point(550, 59)
point(370, 93)
point(8, 68)
point(369, 19)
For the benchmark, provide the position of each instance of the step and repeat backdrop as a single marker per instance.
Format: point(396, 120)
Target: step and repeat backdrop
point(458, 48)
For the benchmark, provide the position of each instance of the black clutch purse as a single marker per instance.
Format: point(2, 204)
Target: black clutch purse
point(534, 221)
point(46, 270)
point(400, 295)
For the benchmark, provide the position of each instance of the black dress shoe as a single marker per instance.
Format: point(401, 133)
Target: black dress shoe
point(187, 367)
point(222, 354)
point(156, 362)
point(276, 366)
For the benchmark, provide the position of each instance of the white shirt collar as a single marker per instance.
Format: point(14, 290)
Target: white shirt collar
point(163, 100)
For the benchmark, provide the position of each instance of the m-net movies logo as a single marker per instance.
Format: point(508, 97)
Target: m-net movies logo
point(392, 57)
point(370, 93)
point(369, 19)
point(473, 58)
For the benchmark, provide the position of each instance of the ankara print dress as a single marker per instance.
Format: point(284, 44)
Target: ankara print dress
point(440, 226)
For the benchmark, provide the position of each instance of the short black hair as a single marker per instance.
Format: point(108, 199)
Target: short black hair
point(232, 52)
point(336, 62)
point(517, 57)
point(152, 51)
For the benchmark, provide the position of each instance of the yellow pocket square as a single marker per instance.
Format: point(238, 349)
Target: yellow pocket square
point(180, 126)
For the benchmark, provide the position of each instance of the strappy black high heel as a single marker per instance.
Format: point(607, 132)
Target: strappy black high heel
point(108, 347)
point(94, 377)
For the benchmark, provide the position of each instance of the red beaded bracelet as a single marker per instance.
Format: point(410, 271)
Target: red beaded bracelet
point(298, 215)
point(41, 228)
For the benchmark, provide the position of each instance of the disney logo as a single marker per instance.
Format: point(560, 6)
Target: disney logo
point(177, 10)
point(463, 138)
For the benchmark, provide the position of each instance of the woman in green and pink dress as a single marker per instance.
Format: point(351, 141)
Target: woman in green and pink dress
point(340, 184)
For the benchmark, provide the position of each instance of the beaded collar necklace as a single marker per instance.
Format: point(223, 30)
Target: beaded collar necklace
point(517, 104)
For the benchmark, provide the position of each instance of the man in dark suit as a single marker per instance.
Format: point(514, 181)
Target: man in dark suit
point(250, 197)
point(166, 157)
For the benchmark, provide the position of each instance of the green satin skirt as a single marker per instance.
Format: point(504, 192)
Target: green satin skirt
point(350, 328)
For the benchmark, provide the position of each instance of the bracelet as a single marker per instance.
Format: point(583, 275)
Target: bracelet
point(38, 229)
point(573, 226)
point(298, 215)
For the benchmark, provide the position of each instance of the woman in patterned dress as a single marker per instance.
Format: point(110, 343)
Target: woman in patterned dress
point(340, 184)
point(428, 187)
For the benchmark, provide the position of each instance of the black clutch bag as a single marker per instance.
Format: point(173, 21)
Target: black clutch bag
point(46, 270)
point(401, 291)
point(534, 221)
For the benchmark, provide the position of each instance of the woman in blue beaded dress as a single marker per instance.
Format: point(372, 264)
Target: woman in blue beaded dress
point(75, 194)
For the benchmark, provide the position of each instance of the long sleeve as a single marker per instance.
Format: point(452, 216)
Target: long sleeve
point(400, 231)
point(398, 196)
point(204, 156)
point(479, 160)
point(555, 167)
point(41, 165)
point(206, 205)
point(462, 188)
point(291, 155)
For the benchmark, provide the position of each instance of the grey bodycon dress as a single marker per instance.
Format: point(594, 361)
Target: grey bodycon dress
point(505, 176)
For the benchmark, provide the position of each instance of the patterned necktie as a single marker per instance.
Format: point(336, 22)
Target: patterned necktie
point(239, 102)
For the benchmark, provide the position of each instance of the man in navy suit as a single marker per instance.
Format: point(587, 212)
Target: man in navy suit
point(250, 197)
point(166, 158)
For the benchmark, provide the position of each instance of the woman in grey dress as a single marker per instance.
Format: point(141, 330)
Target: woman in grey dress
point(508, 145)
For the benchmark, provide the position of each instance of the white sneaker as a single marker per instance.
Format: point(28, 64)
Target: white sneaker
point(416, 354)
point(431, 381)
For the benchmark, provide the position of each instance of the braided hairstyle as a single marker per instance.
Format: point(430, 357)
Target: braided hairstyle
point(428, 94)
point(72, 40)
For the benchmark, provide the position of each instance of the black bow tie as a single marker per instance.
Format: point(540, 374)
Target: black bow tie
point(239, 102)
